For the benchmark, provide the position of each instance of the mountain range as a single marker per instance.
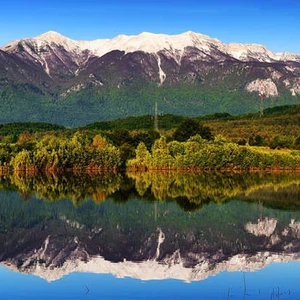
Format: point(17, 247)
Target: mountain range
point(56, 79)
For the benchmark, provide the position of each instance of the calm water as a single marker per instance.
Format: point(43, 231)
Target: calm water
point(150, 236)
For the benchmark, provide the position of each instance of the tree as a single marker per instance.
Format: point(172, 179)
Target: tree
point(161, 157)
point(25, 141)
point(297, 143)
point(148, 137)
point(257, 140)
point(120, 136)
point(279, 142)
point(99, 142)
point(190, 128)
point(142, 159)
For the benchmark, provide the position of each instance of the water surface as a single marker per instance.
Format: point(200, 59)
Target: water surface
point(150, 236)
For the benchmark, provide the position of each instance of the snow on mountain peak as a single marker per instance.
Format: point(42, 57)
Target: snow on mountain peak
point(51, 36)
point(174, 45)
point(152, 43)
point(251, 51)
point(41, 41)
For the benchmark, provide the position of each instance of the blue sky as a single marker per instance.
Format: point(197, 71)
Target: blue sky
point(274, 23)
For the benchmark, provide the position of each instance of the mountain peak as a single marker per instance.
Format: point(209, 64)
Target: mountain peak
point(50, 35)
point(148, 34)
point(193, 34)
point(53, 37)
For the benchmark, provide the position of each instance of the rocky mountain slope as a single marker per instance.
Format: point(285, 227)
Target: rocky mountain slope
point(51, 77)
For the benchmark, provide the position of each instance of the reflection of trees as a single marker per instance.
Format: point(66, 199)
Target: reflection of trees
point(189, 190)
point(76, 187)
point(199, 188)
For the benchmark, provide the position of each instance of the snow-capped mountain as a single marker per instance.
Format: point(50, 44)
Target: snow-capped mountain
point(174, 45)
point(61, 67)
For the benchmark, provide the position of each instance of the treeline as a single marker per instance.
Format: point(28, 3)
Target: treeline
point(54, 153)
point(88, 150)
point(190, 145)
point(31, 127)
point(277, 128)
point(9, 132)
point(165, 122)
point(201, 154)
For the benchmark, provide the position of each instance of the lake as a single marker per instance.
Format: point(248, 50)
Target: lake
point(150, 236)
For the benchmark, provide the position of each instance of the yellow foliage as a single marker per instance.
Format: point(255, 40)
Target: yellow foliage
point(99, 141)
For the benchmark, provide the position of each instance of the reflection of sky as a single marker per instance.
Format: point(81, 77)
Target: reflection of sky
point(284, 277)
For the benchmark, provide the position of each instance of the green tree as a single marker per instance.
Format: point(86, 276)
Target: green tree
point(190, 128)
point(142, 158)
point(281, 142)
point(120, 137)
point(256, 140)
point(297, 143)
point(161, 157)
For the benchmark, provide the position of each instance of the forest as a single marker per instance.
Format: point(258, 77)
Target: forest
point(213, 142)
point(24, 102)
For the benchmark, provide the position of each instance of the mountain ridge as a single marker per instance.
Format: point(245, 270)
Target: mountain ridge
point(112, 78)
point(136, 43)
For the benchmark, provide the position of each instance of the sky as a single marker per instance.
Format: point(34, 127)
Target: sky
point(274, 23)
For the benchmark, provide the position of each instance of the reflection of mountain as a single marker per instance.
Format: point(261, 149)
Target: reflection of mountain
point(263, 227)
point(294, 229)
point(154, 270)
point(139, 240)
